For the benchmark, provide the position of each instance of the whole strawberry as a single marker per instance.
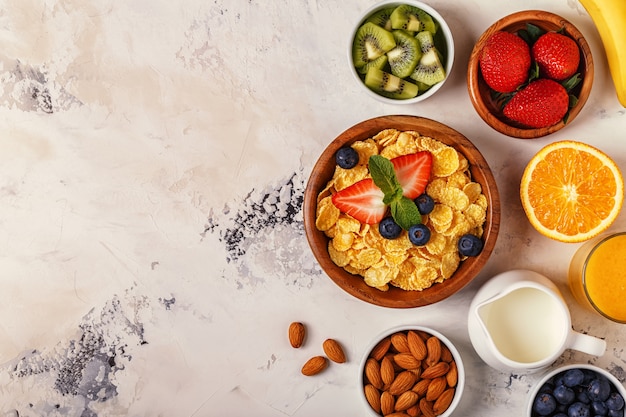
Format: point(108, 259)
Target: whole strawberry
point(556, 55)
point(542, 103)
point(504, 62)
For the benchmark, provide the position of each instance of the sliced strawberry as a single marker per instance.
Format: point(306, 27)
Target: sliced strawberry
point(362, 200)
point(413, 172)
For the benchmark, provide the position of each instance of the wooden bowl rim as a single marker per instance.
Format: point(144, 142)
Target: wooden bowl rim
point(512, 23)
point(396, 297)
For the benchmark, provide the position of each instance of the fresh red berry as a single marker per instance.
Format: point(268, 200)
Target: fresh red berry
point(542, 103)
point(505, 61)
point(556, 55)
point(363, 200)
point(413, 172)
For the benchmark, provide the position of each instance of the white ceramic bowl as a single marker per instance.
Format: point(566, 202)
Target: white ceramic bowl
point(449, 53)
point(460, 385)
point(612, 379)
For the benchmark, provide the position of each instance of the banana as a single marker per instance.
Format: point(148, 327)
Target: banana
point(609, 16)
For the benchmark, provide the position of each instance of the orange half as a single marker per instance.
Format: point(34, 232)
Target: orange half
point(571, 191)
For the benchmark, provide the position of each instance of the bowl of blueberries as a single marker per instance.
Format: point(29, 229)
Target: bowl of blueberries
point(578, 390)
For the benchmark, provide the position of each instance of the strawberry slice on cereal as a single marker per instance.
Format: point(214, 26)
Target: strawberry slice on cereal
point(362, 200)
point(413, 172)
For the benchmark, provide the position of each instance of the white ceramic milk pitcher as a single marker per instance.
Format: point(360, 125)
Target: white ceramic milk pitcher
point(519, 322)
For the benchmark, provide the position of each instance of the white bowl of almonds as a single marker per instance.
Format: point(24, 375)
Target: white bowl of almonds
point(411, 370)
point(345, 216)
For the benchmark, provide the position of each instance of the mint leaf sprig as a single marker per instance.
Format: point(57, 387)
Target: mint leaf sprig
point(403, 210)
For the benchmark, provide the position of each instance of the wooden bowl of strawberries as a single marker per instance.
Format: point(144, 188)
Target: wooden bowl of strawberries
point(530, 74)
point(401, 211)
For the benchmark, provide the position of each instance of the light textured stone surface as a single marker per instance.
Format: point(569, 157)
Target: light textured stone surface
point(153, 157)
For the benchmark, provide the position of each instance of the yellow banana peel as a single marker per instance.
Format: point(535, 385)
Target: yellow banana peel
point(609, 17)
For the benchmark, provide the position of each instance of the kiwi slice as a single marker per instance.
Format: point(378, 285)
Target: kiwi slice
point(404, 57)
point(382, 18)
point(389, 85)
point(429, 70)
point(426, 41)
point(379, 63)
point(370, 42)
point(412, 18)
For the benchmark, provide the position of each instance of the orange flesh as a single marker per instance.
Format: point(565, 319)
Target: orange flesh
point(567, 201)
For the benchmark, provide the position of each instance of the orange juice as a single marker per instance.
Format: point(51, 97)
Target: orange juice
point(597, 276)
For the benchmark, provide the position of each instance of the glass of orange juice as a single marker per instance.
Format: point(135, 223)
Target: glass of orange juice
point(597, 276)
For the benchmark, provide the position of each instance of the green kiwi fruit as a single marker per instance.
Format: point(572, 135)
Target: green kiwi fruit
point(370, 42)
point(404, 57)
point(389, 85)
point(426, 41)
point(412, 19)
point(379, 63)
point(429, 70)
point(382, 18)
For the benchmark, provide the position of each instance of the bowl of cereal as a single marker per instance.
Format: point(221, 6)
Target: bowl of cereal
point(530, 74)
point(401, 52)
point(411, 369)
point(401, 211)
point(577, 390)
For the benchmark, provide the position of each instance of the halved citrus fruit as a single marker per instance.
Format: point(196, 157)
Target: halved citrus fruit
point(571, 191)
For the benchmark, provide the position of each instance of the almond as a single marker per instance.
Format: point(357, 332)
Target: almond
point(435, 371)
point(436, 387)
point(372, 395)
point(414, 411)
point(381, 349)
point(399, 342)
point(452, 376)
point(334, 351)
point(387, 403)
point(421, 387)
point(372, 373)
point(433, 345)
point(405, 400)
point(446, 355)
point(403, 382)
point(314, 366)
point(406, 361)
point(297, 332)
point(417, 347)
point(398, 414)
point(387, 371)
point(427, 408)
point(444, 401)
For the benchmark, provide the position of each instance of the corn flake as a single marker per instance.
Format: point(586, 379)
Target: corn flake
point(445, 162)
point(343, 241)
point(327, 214)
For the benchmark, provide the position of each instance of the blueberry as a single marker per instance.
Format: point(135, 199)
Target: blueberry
point(599, 389)
point(616, 413)
point(573, 377)
point(582, 395)
point(579, 409)
point(347, 157)
point(425, 204)
point(599, 408)
point(544, 404)
point(564, 395)
point(559, 415)
point(388, 228)
point(419, 234)
point(470, 245)
point(615, 401)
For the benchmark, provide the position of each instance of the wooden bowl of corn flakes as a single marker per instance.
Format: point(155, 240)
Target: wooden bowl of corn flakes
point(395, 272)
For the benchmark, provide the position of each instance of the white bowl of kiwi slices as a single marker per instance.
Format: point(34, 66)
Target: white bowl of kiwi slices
point(401, 52)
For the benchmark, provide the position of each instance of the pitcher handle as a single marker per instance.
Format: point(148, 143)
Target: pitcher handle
point(587, 344)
